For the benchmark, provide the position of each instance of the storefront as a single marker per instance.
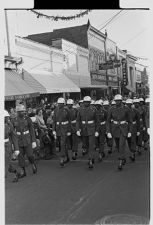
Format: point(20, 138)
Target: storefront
point(17, 89)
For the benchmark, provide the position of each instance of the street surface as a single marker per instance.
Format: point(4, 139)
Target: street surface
point(77, 195)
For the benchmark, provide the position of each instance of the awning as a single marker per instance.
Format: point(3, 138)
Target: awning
point(96, 86)
point(49, 82)
point(130, 88)
point(16, 87)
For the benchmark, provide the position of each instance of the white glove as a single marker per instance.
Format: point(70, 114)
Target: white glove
point(138, 133)
point(54, 133)
point(16, 153)
point(34, 145)
point(68, 134)
point(148, 131)
point(109, 135)
point(96, 134)
point(144, 128)
point(78, 133)
point(129, 135)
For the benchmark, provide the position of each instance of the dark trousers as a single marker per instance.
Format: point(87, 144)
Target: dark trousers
point(72, 142)
point(101, 141)
point(132, 142)
point(62, 145)
point(121, 145)
point(89, 143)
point(28, 151)
point(9, 167)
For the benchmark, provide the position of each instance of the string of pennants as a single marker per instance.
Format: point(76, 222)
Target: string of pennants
point(56, 18)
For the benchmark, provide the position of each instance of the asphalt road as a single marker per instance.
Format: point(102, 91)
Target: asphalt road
point(77, 195)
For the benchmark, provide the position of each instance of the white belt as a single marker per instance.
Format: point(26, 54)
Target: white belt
point(26, 132)
point(63, 123)
point(6, 140)
point(73, 121)
point(134, 122)
point(102, 123)
point(89, 122)
point(117, 122)
point(140, 119)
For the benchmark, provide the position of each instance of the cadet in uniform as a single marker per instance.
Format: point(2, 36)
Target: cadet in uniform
point(62, 129)
point(147, 117)
point(87, 126)
point(102, 117)
point(141, 110)
point(73, 138)
point(9, 140)
point(135, 128)
point(119, 126)
point(26, 139)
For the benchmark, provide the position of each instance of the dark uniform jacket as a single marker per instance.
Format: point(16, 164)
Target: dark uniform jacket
point(10, 137)
point(135, 116)
point(102, 118)
point(142, 112)
point(73, 117)
point(118, 114)
point(61, 121)
point(85, 115)
point(24, 130)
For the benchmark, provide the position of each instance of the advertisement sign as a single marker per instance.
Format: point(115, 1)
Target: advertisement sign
point(138, 76)
point(124, 72)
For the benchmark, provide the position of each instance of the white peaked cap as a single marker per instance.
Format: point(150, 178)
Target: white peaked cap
point(118, 97)
point(129, 101)
point(61, 100)
point(87, 99)
point(6, 113)
point(70, 102)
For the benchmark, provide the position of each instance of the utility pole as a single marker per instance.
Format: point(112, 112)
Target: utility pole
point(7, 34)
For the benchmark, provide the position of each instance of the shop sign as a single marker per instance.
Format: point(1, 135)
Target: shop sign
point(124, 72)
point(110, 65)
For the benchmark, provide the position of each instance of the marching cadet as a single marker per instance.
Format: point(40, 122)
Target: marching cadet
point(87, 126)
point(73, 138)
point(141, 110)
point(119, 127)
point(106, 105)
point(26, 139)
point(102, 117)
point(113, 103)
point(147, 119)
point(62, 129)
point(135, 128)
point(81, 103)
point(9, 140)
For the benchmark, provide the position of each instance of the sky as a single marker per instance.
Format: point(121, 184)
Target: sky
point(129, 29)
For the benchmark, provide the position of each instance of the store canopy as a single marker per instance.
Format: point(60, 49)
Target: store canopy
point(16, 87)
point(49, 82)
point(96, 86)
point(130, 88)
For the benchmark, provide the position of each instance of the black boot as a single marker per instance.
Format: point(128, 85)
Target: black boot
point(90, 164)
point(100, 157)
point(34, 168)
point(132, 157)
point(120, 166)
point(67, 159)
point(139, 150)
point(84, 152)
point(123, 161)
point(16, 178)
point(61, 162)
point(74, 156)
point(22, 174)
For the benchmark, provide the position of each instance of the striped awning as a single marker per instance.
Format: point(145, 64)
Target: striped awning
point(16, 87)
point(49, 82)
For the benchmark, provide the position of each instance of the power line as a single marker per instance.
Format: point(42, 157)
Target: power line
point(131, 39)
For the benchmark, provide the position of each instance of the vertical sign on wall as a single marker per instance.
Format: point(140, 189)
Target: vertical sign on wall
point(124, 72)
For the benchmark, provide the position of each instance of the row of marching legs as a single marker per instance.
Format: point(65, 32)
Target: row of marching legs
point(91, 143)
